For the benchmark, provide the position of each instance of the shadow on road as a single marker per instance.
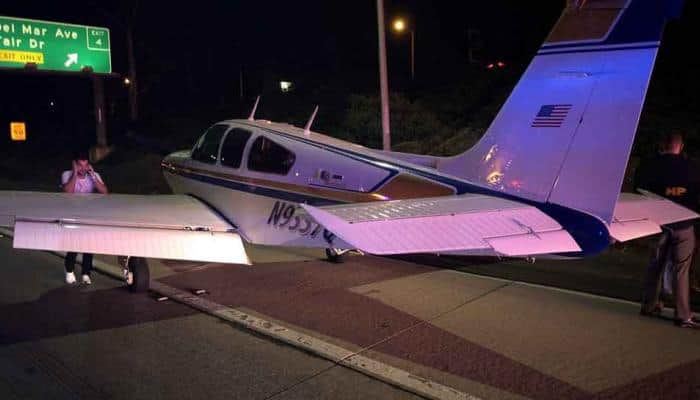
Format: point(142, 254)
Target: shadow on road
point(73, 309)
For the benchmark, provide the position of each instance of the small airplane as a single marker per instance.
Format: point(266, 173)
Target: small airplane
point(543, 181)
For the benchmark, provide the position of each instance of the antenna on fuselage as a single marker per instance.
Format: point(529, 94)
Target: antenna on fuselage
point(255, 108)
point(307, 128)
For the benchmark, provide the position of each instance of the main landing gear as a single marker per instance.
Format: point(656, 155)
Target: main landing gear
point(335, 255)
point(136, 273)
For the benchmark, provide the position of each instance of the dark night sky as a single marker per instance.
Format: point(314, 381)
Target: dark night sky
point(328, 39)
point(310, 31)
point(190, 54)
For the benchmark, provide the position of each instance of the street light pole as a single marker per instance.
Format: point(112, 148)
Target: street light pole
point(383, 78)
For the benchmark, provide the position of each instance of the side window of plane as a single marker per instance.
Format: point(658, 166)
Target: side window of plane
point(207, 148)
point(232, 149)
point(268, 156)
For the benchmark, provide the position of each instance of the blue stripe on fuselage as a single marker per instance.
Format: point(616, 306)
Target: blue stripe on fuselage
point(258, 190)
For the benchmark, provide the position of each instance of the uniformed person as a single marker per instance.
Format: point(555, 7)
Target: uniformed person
point(671, 175)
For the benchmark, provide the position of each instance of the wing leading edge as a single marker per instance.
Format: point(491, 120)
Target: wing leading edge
point(470, 224)
point(174, 227)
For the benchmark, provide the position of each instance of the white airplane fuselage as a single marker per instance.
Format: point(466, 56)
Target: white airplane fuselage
point(265, 205)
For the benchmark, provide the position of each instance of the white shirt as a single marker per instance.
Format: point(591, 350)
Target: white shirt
point(82, 185)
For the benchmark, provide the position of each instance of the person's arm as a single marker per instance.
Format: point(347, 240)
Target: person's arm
point(99, 185)
point(69, 185)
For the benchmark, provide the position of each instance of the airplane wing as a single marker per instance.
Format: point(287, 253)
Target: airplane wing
point(469, 224)
point(174, 227)
point(639, 215)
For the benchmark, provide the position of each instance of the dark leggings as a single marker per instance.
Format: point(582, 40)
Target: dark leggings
point(87, 263)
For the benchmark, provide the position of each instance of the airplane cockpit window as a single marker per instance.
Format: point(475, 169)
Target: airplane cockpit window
point(268, 156)
point(207, 148)
point(232, 149)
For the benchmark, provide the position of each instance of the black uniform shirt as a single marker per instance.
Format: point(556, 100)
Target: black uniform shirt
point(671, 176)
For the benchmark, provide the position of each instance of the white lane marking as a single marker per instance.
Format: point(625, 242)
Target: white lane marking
point(354, 360)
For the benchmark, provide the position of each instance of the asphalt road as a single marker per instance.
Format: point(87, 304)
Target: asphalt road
point(486, 337)
point(101, 342)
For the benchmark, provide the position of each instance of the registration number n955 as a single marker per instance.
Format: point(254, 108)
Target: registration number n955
point(284, 216)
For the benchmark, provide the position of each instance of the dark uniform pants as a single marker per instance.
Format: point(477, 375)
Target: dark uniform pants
point(87, 263)
point(678, 244)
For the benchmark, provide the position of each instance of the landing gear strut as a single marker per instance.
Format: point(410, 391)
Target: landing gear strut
point(335, 255)
point(136, 273)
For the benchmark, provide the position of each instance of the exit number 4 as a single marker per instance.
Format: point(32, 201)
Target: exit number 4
point(98, 39)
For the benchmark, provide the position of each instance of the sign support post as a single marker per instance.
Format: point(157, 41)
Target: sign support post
point(101, 150)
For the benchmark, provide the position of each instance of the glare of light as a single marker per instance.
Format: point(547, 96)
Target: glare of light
point(494, 178)
point(286, 86)
point(501, 64)
point(379, 196)
point(127, 81)
point(490, 66)
point(399, 25)
point(51, 103)
point(491, 153)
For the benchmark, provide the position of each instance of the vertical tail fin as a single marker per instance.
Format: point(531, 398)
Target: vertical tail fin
point(565, 133)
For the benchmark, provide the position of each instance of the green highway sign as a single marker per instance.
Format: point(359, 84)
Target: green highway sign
point(53, 46)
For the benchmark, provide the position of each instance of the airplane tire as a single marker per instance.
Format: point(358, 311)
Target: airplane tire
point(332, 255)
point(141, 275)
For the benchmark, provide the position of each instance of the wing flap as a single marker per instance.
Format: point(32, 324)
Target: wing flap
point(220, 247)
point(482, 224)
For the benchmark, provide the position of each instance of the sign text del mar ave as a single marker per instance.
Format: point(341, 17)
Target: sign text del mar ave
point(53, 45)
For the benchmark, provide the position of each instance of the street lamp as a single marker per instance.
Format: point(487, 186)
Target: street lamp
point(399, 26)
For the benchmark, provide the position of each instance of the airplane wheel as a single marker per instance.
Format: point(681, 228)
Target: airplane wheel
point(335, 255)
point(139, 276)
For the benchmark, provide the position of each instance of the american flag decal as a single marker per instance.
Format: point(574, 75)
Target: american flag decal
point(551, 116)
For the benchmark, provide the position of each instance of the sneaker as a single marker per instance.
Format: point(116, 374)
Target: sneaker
point(688, 323)
point(86, 280)
point(70, 278)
